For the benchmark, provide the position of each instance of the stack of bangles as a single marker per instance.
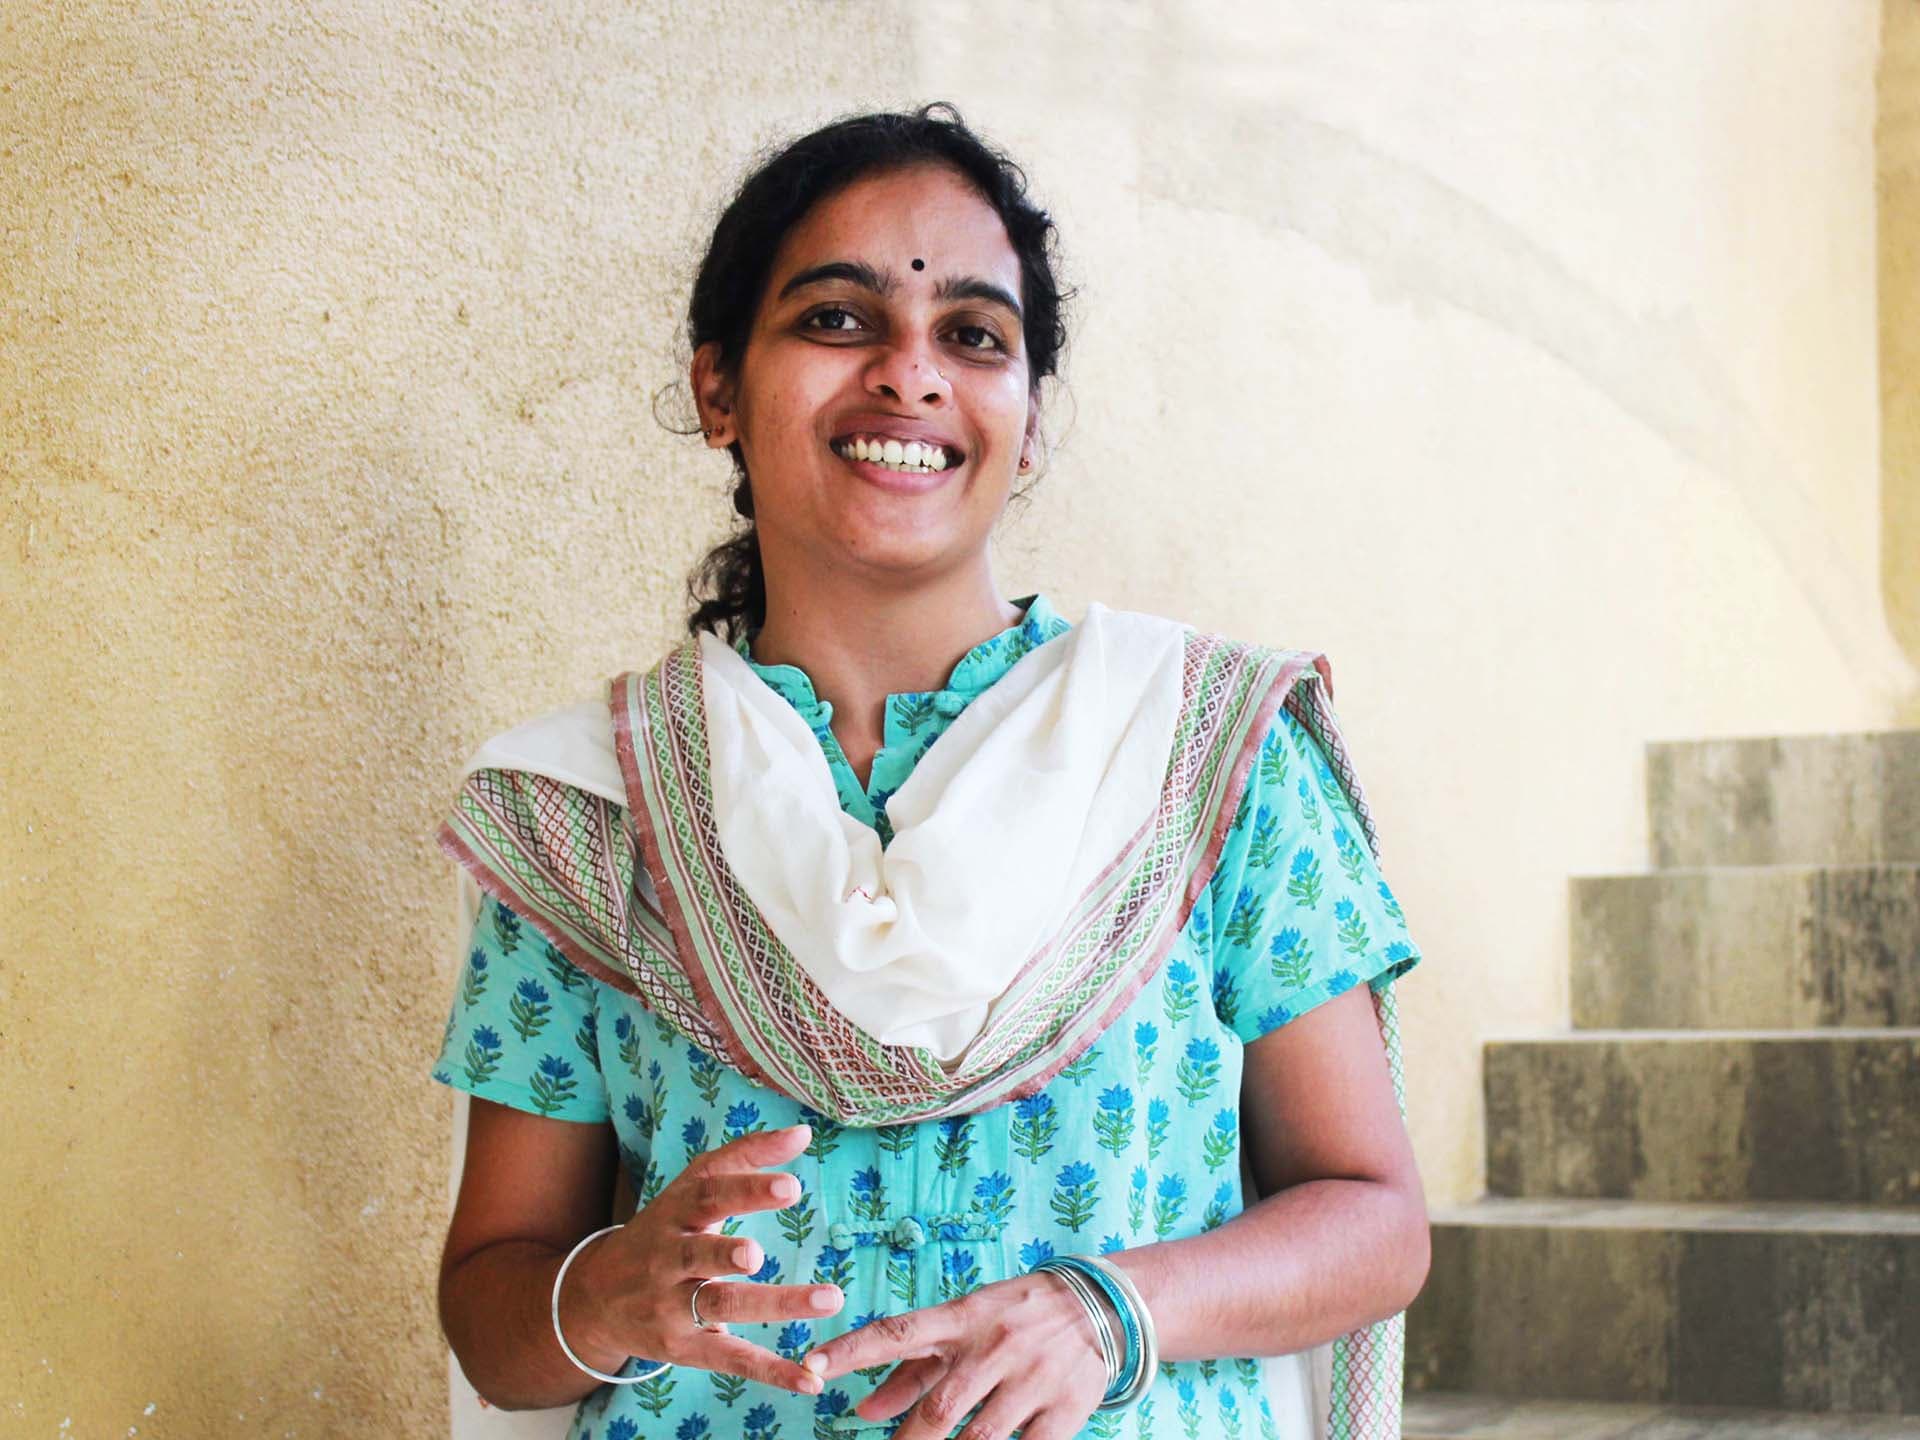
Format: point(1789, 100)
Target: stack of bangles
point(1122, 1324)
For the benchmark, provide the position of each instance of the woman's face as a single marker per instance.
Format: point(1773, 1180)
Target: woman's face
point(891, 313)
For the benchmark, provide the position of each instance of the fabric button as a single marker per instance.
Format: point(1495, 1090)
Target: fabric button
point(908, 1234)
point(840, 1235)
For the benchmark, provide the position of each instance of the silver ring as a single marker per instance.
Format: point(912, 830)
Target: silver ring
point(693, 1304)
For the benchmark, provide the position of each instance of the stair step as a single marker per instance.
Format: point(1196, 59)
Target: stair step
point(1707, 1115)
point(1774, 945)
point(1494, 1417)
point(1769, 1305)
point(1798, 799)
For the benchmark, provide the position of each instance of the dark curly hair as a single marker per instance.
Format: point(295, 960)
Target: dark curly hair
point(729, 586)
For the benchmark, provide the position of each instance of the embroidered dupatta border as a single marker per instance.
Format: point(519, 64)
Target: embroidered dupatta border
point(777, 1025)
point(563, 859)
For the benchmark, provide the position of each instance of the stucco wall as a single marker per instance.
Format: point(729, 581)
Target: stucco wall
point(1523, 358)
point(1898, 149)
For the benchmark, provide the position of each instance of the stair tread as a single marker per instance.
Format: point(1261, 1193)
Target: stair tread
point(1768, 867)
point(1795, 1034)
point(1437, 1416)
point(1812, 1217)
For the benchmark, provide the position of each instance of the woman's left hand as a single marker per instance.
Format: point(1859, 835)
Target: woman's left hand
point(1022, 1349)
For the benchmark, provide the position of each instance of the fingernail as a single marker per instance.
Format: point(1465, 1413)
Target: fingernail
point(786, 1188)
point(816, 1362)
point(828, 1299)
point(813, 1385)
point(743, 1256)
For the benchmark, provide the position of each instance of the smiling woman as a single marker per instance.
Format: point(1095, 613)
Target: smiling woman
point(1003, 1083)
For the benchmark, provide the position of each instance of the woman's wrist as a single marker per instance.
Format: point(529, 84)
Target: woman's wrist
point(583, 1309)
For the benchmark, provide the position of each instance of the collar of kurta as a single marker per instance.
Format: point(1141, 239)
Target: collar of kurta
point(680, 838)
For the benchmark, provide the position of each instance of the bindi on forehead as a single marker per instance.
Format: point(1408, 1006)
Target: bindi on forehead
point(918, 263)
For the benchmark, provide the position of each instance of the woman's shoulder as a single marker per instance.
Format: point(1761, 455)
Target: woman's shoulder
point(571, 743)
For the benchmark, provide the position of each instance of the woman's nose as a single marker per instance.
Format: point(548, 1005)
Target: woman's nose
point(907, 372)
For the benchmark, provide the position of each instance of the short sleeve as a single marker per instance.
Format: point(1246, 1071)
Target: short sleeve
point(523, 1030)
point(1300, 910)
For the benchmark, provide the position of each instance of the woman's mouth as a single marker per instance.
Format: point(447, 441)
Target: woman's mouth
point(910, 457)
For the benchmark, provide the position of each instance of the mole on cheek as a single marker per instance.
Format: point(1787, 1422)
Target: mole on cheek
point(918, 263)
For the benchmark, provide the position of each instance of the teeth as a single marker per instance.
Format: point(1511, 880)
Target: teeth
point(913, 456)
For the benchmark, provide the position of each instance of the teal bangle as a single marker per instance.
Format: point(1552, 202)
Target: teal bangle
point(1136, 1369)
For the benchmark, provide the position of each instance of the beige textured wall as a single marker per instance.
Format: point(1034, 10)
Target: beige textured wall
point(1898, 149)
point(1523, 358)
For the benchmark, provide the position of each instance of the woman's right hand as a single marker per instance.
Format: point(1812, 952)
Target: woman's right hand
point(627, 1293)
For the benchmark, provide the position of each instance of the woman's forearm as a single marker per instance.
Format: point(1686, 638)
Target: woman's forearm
point(497, 1310)
point(1298, 1268)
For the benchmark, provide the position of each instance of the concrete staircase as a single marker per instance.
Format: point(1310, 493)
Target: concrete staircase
point(1703, 1216)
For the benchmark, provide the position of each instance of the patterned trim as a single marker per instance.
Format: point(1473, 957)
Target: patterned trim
point(775, 1024)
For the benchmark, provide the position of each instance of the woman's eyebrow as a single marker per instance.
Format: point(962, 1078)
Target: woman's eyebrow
point(856, 272)
point(884, 283)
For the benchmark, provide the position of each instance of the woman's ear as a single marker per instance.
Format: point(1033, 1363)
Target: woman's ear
point(713, 393)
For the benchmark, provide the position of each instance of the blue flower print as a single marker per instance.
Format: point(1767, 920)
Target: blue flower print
point(552, 1084)
point(993, 1198)
point(474, 983)
point(530, 1007)
point(959, 1273)
point(1226, 996)
point(1113, 1120)
point(1217, 1207)
point(834, 1266)
point(587, 1037)
point(828, 1406)
point(622, 1429)
point(704, 1071)
point(768, 1273)
point(627, 1037)
point(694, 1427)
point(1182, 989)
point(1292, 958)
point(1034, 1126)
point(1264, 848)
point(639, 1115)
point(1169, 1204)
point(1189, 1399)
point(794, 1338)
point(1111, 1243)
point(826, 1133)
point(1034, 1251)
point(869, 1194)
point(483, 1054)
point(1353, 927)
point(694, 1134)
point(1075, 1190)
point(1309, 807)
point(1353, 860)
point(742, 1119)
point(796, 1220)
point(1303, 877)
point(1146, 1035)
point(1199, 1069)
point(506, 927)
point(1389, 906)
point(761, 1425)
point(1137, 1199)
point(955, 1143)
point(1081, 1066)
point(1244, 923)
point(1158, 1114)
point(1223, 1139)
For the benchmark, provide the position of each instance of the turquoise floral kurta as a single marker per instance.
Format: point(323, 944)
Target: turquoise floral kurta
point(1136, 1141)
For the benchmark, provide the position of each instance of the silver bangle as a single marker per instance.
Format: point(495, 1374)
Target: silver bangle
point(1142, 1378)
point(580, 1364)
point(1091, 1302)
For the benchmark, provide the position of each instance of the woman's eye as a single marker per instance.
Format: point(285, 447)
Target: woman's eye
point(830, 310)
point(992, 340)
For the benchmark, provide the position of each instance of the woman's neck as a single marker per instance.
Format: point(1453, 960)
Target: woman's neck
point(859, 645)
